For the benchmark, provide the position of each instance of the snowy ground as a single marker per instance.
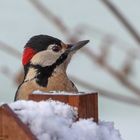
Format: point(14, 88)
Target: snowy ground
point(53, 120)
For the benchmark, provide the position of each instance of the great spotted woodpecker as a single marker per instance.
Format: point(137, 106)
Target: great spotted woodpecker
point(45, 60)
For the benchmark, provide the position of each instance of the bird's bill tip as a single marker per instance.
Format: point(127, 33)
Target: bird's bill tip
point(78, 45)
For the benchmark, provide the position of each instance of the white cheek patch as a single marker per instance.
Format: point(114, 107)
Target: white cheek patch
point(45, 58)
point(31, 74)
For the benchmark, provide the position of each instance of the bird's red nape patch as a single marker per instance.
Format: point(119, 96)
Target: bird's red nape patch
point(27, 55)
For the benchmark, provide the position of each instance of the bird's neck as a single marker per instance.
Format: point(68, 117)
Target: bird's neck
point(41, 75)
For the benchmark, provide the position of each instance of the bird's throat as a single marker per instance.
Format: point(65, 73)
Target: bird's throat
point(42, 74)
point(47, 76)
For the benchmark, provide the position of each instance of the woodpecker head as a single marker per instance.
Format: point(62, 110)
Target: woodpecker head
point(44, 50)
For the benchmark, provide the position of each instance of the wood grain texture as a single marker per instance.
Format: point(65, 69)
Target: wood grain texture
point(11, 127)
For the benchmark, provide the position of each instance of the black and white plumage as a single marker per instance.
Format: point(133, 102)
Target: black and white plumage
point(45, 61)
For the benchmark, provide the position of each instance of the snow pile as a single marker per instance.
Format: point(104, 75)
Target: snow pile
point(53, 120)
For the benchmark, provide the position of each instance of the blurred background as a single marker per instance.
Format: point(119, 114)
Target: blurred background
point(109, 64)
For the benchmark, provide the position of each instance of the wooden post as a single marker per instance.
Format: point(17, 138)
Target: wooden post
point(87, 104)
point(11, 127)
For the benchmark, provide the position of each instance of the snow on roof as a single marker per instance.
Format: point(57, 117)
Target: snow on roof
point(53, 120)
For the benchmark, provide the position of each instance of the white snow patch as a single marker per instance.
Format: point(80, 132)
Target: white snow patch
point(59, 93)
point(53, 120)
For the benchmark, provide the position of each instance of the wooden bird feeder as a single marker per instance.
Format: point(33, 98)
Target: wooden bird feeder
point(12, 128)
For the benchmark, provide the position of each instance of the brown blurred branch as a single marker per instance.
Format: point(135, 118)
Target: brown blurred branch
point(6, 72)
point(108, 94)
point(118, 75)
point(10, 50)
point(123, 20)
point(17, 79)
point(54, 19)
point(123, 45)
point(105, 46)
point(49, 15)
point(127, 67)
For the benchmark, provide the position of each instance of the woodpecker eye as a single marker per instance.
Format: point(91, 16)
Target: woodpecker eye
point(56, 48)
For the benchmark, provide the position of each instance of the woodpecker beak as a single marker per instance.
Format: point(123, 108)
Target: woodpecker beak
point(77, 46)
